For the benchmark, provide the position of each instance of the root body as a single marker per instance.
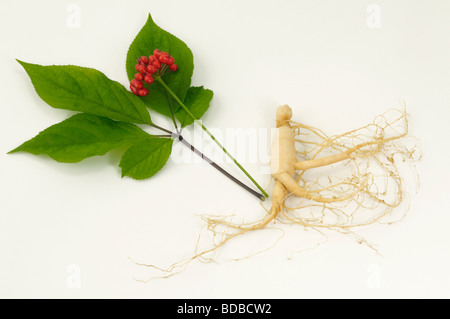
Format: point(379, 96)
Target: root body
point(364, 189)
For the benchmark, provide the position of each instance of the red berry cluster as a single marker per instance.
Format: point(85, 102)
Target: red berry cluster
point(154, 65)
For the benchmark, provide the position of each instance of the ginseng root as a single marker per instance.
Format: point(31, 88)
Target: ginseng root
point(364, 188)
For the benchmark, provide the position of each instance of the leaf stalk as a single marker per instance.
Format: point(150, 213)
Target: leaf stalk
point(158, 78)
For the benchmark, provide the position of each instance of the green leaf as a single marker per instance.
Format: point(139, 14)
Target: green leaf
point(197, 101)
point(81, 136)
point(146, 158)
point(152, 37)
point(86, 90)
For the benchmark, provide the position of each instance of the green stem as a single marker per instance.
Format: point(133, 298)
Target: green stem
point(158, 78)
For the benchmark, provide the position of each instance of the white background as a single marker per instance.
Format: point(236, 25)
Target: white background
point(63, 222)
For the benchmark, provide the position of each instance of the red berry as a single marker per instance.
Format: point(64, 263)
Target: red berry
point(152, 59)
point(163, 59)
point(156, 53)
point(157, 64)
point(133, 89)
point(151, 69)
point(139, 76)
point(137, 84)
point(142, 92)
point(173, 67)
point(143, 60)
point(141, 68)
point(170, 60)
point(148, 79)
